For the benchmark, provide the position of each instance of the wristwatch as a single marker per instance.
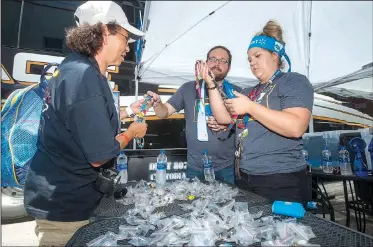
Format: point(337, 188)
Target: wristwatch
point(129, 111)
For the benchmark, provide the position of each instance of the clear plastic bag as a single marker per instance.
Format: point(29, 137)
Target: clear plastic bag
point(207, 222)
point(202, 237)
point(134, 221)
point(268, 232)
point(126, 232)
point(301, 231)
point(109, 239)
point(146, 211)
point(140, 241)
point(241, 207)
point(155, 217)
point(226, 211)
point(171, 238)
point(244, 236)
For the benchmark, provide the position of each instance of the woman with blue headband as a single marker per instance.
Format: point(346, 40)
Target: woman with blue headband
point(272, 117)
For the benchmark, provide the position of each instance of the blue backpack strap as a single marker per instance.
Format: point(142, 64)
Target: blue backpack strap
point(43, 84)
point(43, 79)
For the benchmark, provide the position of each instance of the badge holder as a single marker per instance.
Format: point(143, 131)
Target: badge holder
point(238, 153)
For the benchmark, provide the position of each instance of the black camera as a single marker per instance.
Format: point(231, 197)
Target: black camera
point(107, 182)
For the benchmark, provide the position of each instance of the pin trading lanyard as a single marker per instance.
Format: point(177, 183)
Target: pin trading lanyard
point(253, 95)
point(141, 118)
point(221, 91)
point(198, 88)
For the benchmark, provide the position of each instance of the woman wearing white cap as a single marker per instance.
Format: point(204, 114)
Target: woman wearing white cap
point(79, 130)
point(273, 116)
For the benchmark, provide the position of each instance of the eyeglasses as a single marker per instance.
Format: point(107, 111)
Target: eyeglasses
point(215, 60)
point(126, 37)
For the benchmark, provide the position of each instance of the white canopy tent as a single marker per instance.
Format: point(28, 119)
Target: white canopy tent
point(358, 84)
point(325, 40)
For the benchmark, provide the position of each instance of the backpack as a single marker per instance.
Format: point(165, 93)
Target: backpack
point(20, 120)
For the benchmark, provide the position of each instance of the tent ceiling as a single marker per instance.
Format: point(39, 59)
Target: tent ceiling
point(340, 39)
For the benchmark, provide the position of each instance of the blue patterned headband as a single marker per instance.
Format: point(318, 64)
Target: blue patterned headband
point(273, 45)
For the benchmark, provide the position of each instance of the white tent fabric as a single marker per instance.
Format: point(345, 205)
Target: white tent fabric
point(341, 37)
point(359, 83)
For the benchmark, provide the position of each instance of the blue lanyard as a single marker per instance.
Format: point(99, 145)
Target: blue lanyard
point(226, 87)
point(257, 92)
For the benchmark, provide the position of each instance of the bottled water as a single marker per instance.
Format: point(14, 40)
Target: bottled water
point(344, 161)
point(122, 167)
point(326, 161)
point(160, 176)
point(207, 167)
point(370, 150)
point(306, 158)
point(360, 168)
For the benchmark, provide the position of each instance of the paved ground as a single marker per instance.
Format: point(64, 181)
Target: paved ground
point(336, 189)
point(18, 232)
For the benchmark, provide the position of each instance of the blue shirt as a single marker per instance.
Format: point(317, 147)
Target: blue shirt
point(79, 128)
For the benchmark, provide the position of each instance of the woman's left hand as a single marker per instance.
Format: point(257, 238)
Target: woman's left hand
point(240, 105)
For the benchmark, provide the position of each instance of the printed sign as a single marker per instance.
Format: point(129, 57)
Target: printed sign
point(142, 164)
point(174, 171)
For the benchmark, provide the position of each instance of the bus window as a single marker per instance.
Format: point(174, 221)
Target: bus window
point(43, 25)
point(53, 44)
point(10, 11)
point(325, 125)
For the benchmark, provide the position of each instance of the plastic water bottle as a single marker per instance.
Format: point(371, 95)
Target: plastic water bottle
point(122, 167)
point(306, 158)
point(360, 168)
point(370, 150)
point(344, 161)
point(208, 170)
point(326, 161)
point(160, 175)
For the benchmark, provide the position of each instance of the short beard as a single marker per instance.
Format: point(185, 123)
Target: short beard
point(220, 77)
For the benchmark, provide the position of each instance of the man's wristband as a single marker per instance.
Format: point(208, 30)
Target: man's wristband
point(211, 88)
point(125, 137)
point(129, 111)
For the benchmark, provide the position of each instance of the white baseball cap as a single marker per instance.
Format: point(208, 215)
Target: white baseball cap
point(92, 12)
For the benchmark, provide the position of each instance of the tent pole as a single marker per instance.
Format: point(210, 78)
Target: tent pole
point(136, 98)
point(137, 67)
point(310, 125)
point(20, 24)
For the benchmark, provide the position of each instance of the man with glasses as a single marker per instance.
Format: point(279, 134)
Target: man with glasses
point(220, 144)
point(79, 131)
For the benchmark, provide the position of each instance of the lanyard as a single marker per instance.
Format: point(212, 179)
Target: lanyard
point(198, 87)
point(222, 89)
point(253, 95)
point(202, 94)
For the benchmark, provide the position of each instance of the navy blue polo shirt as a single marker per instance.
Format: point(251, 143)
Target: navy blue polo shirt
point(78, 128)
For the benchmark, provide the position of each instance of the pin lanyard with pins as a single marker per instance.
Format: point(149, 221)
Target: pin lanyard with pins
point(221, 91)
point(140, 118)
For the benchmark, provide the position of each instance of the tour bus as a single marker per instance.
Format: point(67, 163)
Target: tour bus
point(33, 35)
